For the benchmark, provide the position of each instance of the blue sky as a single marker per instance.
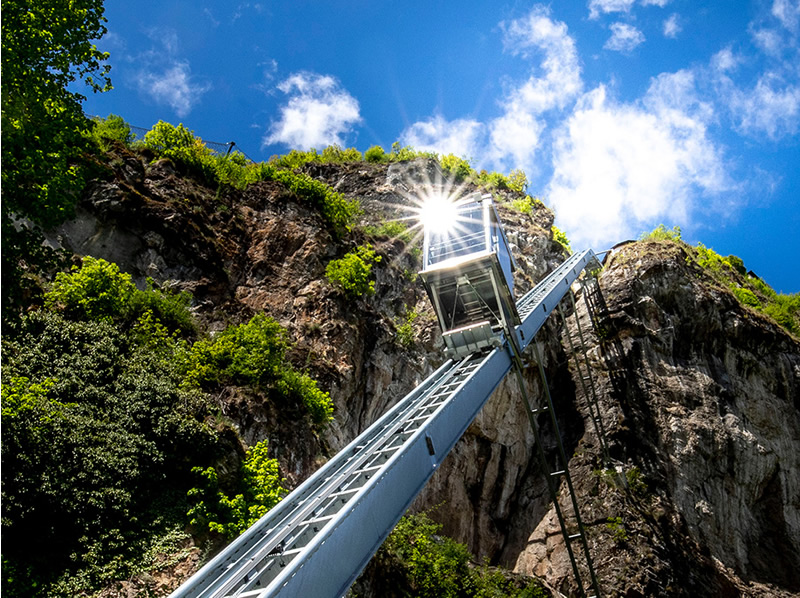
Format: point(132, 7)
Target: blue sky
point(624, 114)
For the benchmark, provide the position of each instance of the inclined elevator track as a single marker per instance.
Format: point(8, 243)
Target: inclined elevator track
point(318, 539)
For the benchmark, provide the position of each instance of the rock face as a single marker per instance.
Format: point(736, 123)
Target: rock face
point(699, 397)
point(703, 396)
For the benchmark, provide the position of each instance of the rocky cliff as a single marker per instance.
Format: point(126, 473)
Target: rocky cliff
point(699, 395)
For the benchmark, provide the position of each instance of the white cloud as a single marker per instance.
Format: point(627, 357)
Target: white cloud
point(166, 78)
point(725, 61)
point(675, 94)
point(174, 87)
point(788, 13)
point(515, 135)
point(319, 112)
point(561, 80)
point(624, 37)
point(606, 6)
point(460, 137)
point(622, 168)
point(511, 140)
point(769, 40)
point(671, 26)
point(771, 107)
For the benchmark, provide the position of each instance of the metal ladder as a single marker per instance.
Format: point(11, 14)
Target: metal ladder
point(572, 528)
point(580, 357)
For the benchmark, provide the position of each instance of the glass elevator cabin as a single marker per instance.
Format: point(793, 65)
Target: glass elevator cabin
point(468, 274)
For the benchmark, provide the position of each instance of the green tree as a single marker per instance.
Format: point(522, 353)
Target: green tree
point(47, 50)
point(100, 439)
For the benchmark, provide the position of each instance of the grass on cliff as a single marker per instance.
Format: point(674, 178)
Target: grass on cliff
point(731, 273)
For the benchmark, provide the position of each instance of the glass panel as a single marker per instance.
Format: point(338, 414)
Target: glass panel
point(465, 237)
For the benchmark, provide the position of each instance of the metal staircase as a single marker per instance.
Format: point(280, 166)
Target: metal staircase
point(318, 539)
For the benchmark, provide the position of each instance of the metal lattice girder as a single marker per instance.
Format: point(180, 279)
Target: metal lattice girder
point(317, 540)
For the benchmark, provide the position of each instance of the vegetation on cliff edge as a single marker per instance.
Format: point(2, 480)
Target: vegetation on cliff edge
point(731, 273)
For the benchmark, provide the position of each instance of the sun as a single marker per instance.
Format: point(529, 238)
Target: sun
point(437, 213)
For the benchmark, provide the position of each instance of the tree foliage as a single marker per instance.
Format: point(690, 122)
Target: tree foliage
point(47, 50)
point(96, 432)
point(47, 47)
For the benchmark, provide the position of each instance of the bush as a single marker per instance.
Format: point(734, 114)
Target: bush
point(250, 354)
point(436, 566)
point(403, 153)
point(749, 290)
point(737, 264)
point(457, 167)
point(352, 272)
point(261, 488)
point(517, 181)
point(180, 145)
point(746, 297)
point(526, 204)
point(112, 128)
point(97, 290)
point(333, 154)
point(393, 229)
point(662, 233)
point(253, 354)
point(561, 238)
point(376, 155)
point(338, 211)
point(302, 387)
point(785, 310)
point(617, 528)
point(405, 328)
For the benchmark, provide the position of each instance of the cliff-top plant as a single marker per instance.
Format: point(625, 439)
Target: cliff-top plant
point(662, 233)
point(456, 167)
point(180, 145)
point(561, 238)
point(526, 204)
point(112, 128)
point(353, 272)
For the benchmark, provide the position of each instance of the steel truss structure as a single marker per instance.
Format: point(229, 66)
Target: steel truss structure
point(318, 539)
